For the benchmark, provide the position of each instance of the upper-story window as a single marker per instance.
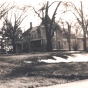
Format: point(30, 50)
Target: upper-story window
point(65, 42)
point(33, 35)
point(39, 33)
point(64, 35)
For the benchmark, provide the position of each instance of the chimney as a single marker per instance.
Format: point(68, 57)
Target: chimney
point(30, 24)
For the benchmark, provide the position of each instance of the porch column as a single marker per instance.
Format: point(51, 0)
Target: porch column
point(22, 46)
point(16, 49)
point(56, 39)
point(41, 45)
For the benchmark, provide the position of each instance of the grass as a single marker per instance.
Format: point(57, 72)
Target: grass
point(14, 73)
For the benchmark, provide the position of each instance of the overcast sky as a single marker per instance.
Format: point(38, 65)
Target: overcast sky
point(34, 18)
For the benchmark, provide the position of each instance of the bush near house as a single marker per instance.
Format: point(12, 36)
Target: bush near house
point(75, 46)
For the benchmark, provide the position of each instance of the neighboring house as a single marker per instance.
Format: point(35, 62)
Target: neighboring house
point(5, 43)
point(74, 40)
point(65, 41)
point(80, 41)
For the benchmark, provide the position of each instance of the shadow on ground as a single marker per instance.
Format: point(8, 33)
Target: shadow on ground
point(68, 71)
point(71, 77)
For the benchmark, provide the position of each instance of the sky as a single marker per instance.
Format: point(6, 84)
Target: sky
point(33, 17)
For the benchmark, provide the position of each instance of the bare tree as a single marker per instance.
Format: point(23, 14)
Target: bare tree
point(81, 18)
point(12, 25)
point(67, 33)
point(48, 26)
point(4, 8)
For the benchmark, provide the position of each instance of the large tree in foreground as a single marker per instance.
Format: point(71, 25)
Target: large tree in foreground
point(48, 26)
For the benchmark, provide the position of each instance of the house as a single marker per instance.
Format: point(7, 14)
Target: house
point(34, 39)
point(38, 39)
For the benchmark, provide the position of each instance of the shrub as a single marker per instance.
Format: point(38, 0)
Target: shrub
point(75, 46)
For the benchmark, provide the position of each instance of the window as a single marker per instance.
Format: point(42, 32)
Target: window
point(39, 33)
point(55, 33)
point(59, 44)
point(64, 42)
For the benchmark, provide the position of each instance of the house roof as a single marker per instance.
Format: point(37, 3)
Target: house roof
point(28, 31)
point(34, 28)
point(41, 24)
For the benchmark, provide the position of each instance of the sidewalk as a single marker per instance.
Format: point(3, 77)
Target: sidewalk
point(76, 84)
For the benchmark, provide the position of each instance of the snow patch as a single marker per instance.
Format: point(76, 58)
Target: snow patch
point(74, 58)
point(27, 61)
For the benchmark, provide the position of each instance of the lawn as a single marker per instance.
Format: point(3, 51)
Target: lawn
point(16, 73)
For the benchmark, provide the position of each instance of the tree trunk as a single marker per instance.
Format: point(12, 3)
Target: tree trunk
point(84, 41)
point(84, 29)
point(29, 46)
point(69, 36)
point(69, 42)
point(14, 46)
point(49, 44)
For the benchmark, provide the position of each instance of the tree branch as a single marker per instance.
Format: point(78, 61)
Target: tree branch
point(53, 17)
point(76, 18)
point(52, 34)
point(37, 13)
point(74, 8)
point(53, 3)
